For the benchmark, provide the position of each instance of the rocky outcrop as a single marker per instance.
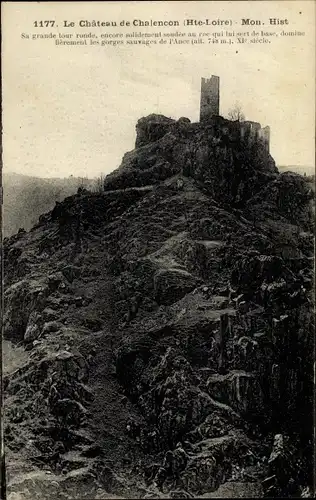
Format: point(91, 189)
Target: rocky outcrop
point(230, 170)
point(151, 129)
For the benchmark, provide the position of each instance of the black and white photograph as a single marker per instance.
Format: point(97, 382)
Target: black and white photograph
point(158, 205)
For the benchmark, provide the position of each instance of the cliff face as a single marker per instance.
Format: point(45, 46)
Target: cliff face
point(165, 322)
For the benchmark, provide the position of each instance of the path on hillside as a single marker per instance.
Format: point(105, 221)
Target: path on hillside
point(148, 187)
point(110, 409)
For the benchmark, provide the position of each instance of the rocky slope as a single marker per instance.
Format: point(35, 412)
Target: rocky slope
point(159, 335)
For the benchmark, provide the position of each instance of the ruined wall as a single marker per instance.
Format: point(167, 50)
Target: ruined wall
point(253, 133)
point(249, 133)
point(265, 137)
point(209, 98)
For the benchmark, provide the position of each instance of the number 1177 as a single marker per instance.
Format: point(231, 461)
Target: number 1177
point(44, 24)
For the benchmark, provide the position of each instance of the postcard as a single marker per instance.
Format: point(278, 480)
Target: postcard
point(157, 249)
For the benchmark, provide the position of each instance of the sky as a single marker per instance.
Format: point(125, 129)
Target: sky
point(72, 110)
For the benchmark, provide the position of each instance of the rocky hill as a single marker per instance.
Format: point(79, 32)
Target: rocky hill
point(159, 335)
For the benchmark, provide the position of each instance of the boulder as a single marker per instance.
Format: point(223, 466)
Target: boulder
point(70, 410)
point(51, 327)
point(170, 285)
point(281, 467)
point(151, 128)
point(71, 272)
point(21, 299)
point(54, 280)
point(49, 314)
point(32, 333)
point(109, 478)
point(80, 483)
point(33, 328)
point(240, 390)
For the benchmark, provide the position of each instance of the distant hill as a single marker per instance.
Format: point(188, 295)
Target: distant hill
point(300, 169)
point(26, 198)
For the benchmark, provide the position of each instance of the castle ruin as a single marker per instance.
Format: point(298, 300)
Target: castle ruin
point(249, 131)
point(209, 98)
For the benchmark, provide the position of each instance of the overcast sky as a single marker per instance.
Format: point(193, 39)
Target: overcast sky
point(73, 109)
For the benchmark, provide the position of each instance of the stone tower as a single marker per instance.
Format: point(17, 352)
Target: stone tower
point(209, 98)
